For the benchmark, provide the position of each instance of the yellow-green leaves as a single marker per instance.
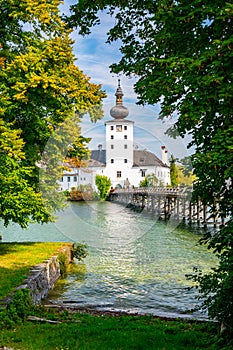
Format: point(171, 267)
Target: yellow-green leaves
point(10, 142)
point(41, 89)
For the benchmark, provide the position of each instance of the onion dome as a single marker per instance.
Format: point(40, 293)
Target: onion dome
point(119, 111)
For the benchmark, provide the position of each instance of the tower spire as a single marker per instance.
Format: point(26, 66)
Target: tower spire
point(119, 94)
point(119, 111)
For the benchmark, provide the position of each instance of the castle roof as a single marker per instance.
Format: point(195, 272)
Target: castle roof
point(146, 158)
point(97, 158)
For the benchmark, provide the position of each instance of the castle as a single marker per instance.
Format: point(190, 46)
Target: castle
point(121, 161)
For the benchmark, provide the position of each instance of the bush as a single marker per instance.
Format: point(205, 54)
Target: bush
point(103, 184)
point(17, 310)
point(80, 251)
point(63, 262)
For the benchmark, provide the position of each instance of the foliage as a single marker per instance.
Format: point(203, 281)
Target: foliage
point(185, 172)
point(41, 88)
point(79, 152)
point(17, 310)
point(18, 199)
point(82, 192)
point(85, 331)
point(19, 305)
point(80, 251)
point(150, 181)
point(103, 184)
point(184, 179)
point(63, 262)
point(216, 287)
point(182, 54)
point(173, 171)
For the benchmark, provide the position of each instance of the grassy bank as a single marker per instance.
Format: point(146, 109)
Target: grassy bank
point(16, 259)
point(81, 330)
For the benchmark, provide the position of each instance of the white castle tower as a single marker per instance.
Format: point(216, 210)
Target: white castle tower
point(119, 142)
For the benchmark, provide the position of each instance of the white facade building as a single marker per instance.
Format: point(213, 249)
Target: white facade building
point(123, 164)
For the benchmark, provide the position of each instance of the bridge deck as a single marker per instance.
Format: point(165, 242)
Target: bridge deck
point(167, 203)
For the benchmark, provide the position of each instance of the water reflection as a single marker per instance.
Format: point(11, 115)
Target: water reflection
point(134, 264)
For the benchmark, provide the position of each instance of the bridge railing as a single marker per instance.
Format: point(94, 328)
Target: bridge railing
point(156, 190)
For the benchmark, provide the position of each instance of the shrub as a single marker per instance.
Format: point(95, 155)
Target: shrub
point(17, 310)
point(63, 262)
point(80, 251)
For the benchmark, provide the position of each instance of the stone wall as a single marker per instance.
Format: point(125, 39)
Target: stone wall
point(42, 277)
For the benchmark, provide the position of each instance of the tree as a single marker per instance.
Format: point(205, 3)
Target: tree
point(42, 91)
point(103, 184)
point(150, 181)
point(173, 171)
point(78, 153)
point(181, 54)
point(183, 179)
point(185, 172)
point(19, 202)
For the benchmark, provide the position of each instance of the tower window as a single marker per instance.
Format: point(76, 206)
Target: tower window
point(119, 128)
point(112, 127)
point(112, 147)
point(125, 127)
point(118, 173)
point(125, 137)
point(125, 146)
point(112, 137)
point(125, 161)
point(112, 160)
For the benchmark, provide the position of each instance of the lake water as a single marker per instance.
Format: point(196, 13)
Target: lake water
point(135, 263)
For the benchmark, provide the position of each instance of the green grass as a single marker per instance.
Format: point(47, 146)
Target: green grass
point(82, 331)
point(16, 259)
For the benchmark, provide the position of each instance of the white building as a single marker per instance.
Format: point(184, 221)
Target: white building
point(120, 161)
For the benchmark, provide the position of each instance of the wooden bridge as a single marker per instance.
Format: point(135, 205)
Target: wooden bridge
point(168, 203)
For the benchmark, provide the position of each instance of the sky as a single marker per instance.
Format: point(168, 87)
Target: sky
point(94, 57)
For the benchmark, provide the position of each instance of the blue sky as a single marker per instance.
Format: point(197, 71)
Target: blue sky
point(94, 57)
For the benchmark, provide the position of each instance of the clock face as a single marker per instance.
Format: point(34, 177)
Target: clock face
point(119, 128)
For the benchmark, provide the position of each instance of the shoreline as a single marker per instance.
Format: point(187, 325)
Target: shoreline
point(112, 313)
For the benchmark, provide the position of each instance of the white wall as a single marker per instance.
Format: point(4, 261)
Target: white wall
point(75, 177)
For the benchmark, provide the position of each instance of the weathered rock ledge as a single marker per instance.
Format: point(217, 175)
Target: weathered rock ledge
point(42, 277)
